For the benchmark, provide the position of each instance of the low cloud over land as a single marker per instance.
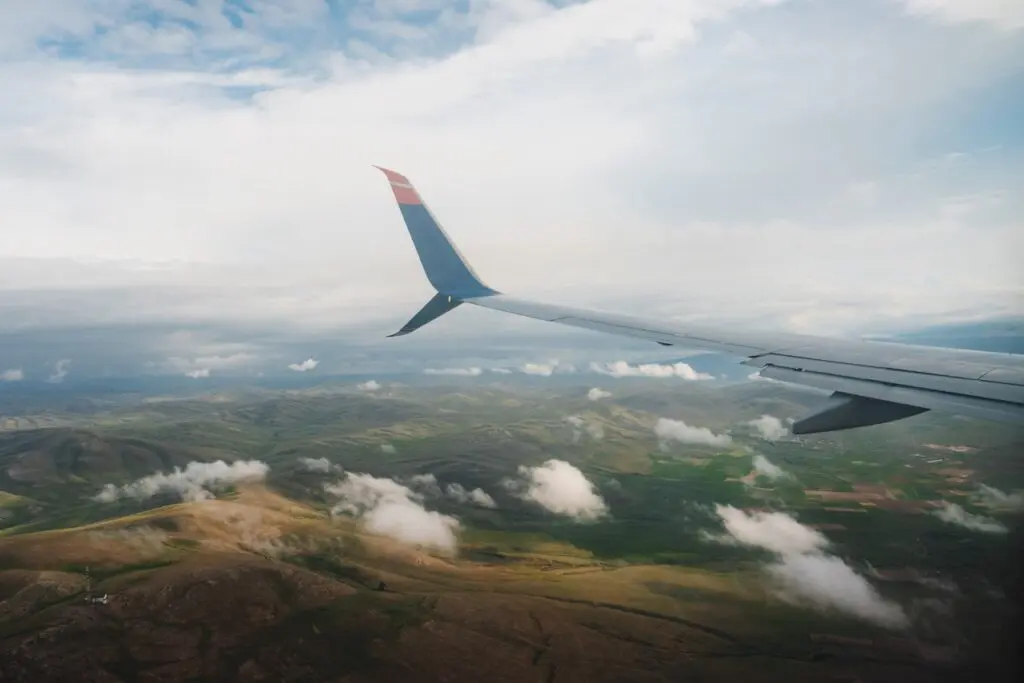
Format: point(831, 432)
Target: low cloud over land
point(769, 428)
point(560, 488)
point(193, 483)
point(804, 573)
point(677, 430)
point(388, 508)
point(621, 368)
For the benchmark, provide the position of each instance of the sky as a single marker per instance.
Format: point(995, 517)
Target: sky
point(192, 179)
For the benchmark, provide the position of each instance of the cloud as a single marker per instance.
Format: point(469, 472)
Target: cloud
point(305, 366)
point(369, 385)
point(477, 496)
point(677, 430)
point(773, 531)
point(596, 394)
point(501, 371)
point(804, 573)
point(385, 507)
point(548, 369)
point(765, 467)
point(999, 500)
point(199, 373)
point(826, 583)
point(581, 425)
point(12, 375)
point(459, 372)
point(621, 368)
point(266, 245)
point(955, 514)
point(193, 483)
point(388, 448)
point(316, 464)
point(1004, 14)
point(769, 428)
point(560, 488)
point(60, 371)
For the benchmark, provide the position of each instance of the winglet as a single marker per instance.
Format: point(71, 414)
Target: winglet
point(435, 308)
point(444, 266)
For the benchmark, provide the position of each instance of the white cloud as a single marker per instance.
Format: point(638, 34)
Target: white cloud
point(955, 514)
point(826, 583)
point(192, 483)
point(305, 366)
point(316, 464)
point(369, 385)
point(548, 369)
point(1000, 500)
point(621, 368)
point(501, 371)
point(198, 373)
point(388, 508)
point(765, 467)
point(596, 394)
point(388, 448)
point(560, 488)
point(677, 430)
point(477, 496)
point(458, 372)
point(60, 371)
point(12, 375)
point(272, 238)
point(769, 428)
point(581, 426)
point(774, 531)
point(804, 573)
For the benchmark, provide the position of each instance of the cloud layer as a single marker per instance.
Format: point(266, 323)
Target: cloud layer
point(676, 430)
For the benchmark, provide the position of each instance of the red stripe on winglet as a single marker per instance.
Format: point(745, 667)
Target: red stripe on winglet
point(405, 195)
point(393, 176)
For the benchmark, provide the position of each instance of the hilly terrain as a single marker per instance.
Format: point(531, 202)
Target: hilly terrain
point(508, 531)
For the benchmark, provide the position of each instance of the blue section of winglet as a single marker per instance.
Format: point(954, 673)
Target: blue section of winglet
point(435, 308)
point(447, 271)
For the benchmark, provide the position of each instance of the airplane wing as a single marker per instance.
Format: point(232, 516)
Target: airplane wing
point(872, 382)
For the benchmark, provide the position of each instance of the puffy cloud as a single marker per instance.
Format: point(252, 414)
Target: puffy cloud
point(305, 366)
point(560, 488)
point(774, 531)
point(764, 466)
point(198, 373)
point(955, 514)
point(546, 369)
point(677, 430)
point(826, 583)
point(477, 496)
point(769, 428)
point(596, 394)
point(369, 385)
point(316, 464)
point(12, 375)
point(621, 368)
point(388, 508)
point(804, 573)
point(192, 483)
point(458, 372)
